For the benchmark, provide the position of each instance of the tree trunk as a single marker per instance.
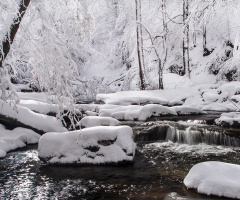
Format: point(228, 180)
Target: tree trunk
point(141, 75)
point(8, 40)
point(186, 63)
point(204, 37)
point(164, 44)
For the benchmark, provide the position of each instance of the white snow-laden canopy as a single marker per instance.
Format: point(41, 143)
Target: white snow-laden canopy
point(229, 119)
point(91, 121)
point(215, 178)
point(26, 116)
point(16, 138)
point(95, 145)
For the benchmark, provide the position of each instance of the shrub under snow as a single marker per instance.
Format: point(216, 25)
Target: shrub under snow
point(96, 145)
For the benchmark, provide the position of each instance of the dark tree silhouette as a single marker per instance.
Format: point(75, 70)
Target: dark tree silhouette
point(8, 40)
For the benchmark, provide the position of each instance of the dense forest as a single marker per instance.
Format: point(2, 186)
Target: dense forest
point(79, 48)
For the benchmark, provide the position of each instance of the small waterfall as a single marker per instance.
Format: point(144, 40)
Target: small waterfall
point(192, 135)
point(195, 135)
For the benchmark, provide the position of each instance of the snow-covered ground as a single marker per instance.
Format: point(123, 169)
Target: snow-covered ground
point(16, 138)
point(215, 178)
point(214, 97)
point(95, 145)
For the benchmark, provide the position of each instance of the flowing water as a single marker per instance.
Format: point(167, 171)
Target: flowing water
point(165, 153)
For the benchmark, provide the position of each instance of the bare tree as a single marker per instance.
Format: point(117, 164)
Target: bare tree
point(140, 45)
point(8, 40)
point(185, 45)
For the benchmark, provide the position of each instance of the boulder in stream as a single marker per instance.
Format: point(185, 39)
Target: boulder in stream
point(231, 119)
point(215, 178)
point(95, 145)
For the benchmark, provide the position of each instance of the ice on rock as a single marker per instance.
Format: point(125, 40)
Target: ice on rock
point(95, 145)
point(91, 121)
point(215, 178)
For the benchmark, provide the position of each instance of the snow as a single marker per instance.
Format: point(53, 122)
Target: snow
point(187, 110)
point(37, 96)
point(28, 117)
point(95, 145)
point(91, 113)
point(16, 138)
point(215, 178)
point(163, 97)
point(229, 119)
point(213, 97)
point(91, 121)
point(142, 113)
point(38, 106)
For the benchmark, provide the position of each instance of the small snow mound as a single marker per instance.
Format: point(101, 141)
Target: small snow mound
point(231, 119)
point(151, 110)
point(95, 145)
point(188, 110)
point(91, 121)
point(215, 178)
point(16, 138)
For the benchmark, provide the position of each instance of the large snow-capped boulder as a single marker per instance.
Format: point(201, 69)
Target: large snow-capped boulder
point(95, 145)
point(231, 119)
point(91, 121)
point(215, 178)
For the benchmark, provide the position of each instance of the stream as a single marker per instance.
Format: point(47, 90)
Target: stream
point(163, 158)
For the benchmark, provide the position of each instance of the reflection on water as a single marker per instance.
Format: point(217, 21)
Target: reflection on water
point(157, 173)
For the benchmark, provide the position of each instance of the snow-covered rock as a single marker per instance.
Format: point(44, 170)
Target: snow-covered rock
point(16, 138)
point(188, 110)
point(215, 178)
point(91, 113)
point(91, 121)
point(30, 118)
point(95, 145)
point(151, 110)
point(231, 119)
point(39, 107)
point(162, 97)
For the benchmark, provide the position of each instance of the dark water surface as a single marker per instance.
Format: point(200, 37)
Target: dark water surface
point(157, 173)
